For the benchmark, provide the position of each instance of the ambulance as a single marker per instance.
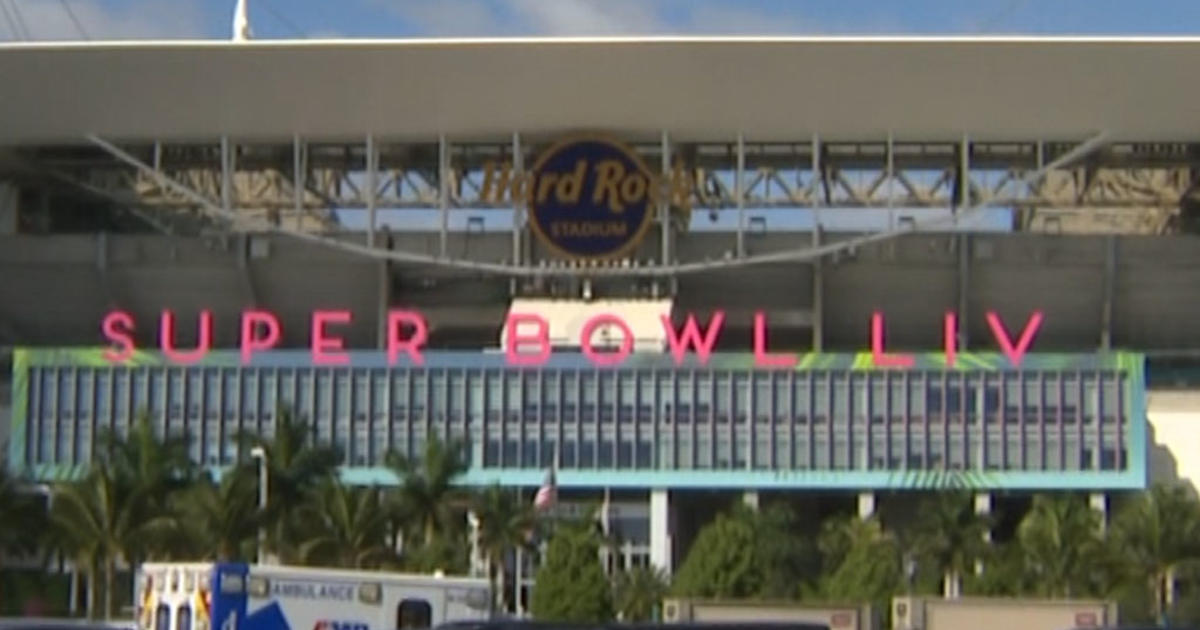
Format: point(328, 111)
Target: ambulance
point(240, 596)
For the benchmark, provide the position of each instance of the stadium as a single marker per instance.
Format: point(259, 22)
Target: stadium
point(868, 267)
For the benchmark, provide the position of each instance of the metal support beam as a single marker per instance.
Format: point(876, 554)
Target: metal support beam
point(299, 172)
point(818, 182)
point(443, 194)
point(372, 187)
point(227, 177)
point(664, 205)
point(964, 176)
point(384, 294)
point(739, 187)
point(818, 294)
point(1109, 292)
point(793, 255)
point(963, 244)
point(518, 203)
point(243, 261)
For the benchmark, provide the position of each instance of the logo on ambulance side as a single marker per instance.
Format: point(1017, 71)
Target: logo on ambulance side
point(326, 624)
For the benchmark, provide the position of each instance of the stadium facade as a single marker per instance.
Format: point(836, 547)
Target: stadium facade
point(907, 291)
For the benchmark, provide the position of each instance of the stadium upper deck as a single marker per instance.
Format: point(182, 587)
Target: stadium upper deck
point(341, 144)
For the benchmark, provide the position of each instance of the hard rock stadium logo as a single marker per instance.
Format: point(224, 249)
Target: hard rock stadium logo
point(589, 196)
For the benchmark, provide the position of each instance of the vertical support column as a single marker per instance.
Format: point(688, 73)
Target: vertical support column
point(983, 507)
point(866, 505)
point(372, 185)
point(664, 205)
point(964, 166)
point(518, 202)
point(891, 182)
point(818, 278)
point(963, 246)
point(227, 167)
point(385, 302)
point(660, 530)
point(750, 499)
point(478, 561)
point(739, 188)
point(818, 293)
point(1099, 502)
point(443, 193)
point(299, 168)
point(1109, 291)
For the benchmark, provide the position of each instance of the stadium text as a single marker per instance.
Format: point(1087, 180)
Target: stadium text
point(528, 339)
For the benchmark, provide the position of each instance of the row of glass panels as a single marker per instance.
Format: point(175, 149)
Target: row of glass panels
point(624, 419)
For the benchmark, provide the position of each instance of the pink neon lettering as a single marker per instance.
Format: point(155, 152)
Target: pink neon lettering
point(516, 340)
point(950, 338)
point(118, 330)
point(410, 346)
point(253, 321)
point(1014, 354)
point(761, 358)
point(605, 359)
point(878, 357)
point(328, 350)
point(691, 337)
point(166, 338)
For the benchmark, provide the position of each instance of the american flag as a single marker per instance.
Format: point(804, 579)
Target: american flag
point(547, 495)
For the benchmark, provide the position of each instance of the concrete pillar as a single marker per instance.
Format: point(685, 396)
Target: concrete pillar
point(1099, 502)
point(661, 530)
point(750, 498)
point(983, 507)
point(866, 504)
point(9, 209)
point(478, 562)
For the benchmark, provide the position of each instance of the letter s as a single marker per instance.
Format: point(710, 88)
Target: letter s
point(118, 330)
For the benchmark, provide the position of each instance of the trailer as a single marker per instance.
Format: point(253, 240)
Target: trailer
point(834, 616)
point(240, 596)
point(1000, 613)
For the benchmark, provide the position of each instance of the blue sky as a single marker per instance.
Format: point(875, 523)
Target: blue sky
point(122, 19)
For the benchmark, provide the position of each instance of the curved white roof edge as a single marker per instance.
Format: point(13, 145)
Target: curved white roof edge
point(602, 39)
point(770, 88)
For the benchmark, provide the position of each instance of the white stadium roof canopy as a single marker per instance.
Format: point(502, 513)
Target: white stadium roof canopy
point(695, 88)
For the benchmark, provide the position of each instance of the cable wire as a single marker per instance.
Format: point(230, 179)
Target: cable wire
point(75, 19)
point(283, 19)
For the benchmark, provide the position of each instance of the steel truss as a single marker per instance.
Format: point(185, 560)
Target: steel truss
point(227, 210)
point(812, 174)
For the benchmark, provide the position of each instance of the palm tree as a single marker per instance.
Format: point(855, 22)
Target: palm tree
point(148, 469)
point(949, 537)
point(505, 524)
point(22, 517)
point(344, 527)
point(294, 466)
point(1060, 540)
point(214, 519)
point(97, 521)
point(1154, 535)
point(427, 489)
point(638, 592)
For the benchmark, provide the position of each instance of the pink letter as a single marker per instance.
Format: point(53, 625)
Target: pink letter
point(691, 336)
point(328, 350)
point(118, 329)
point(166, 338)
point(250, 342)
point(411, 346)
point(1001, 334)
point(761, 358)
point(605, 360)
point(516, 339)
point(877, 355)
point(950, 338)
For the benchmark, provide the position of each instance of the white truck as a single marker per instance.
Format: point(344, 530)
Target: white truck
point(240, 596)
